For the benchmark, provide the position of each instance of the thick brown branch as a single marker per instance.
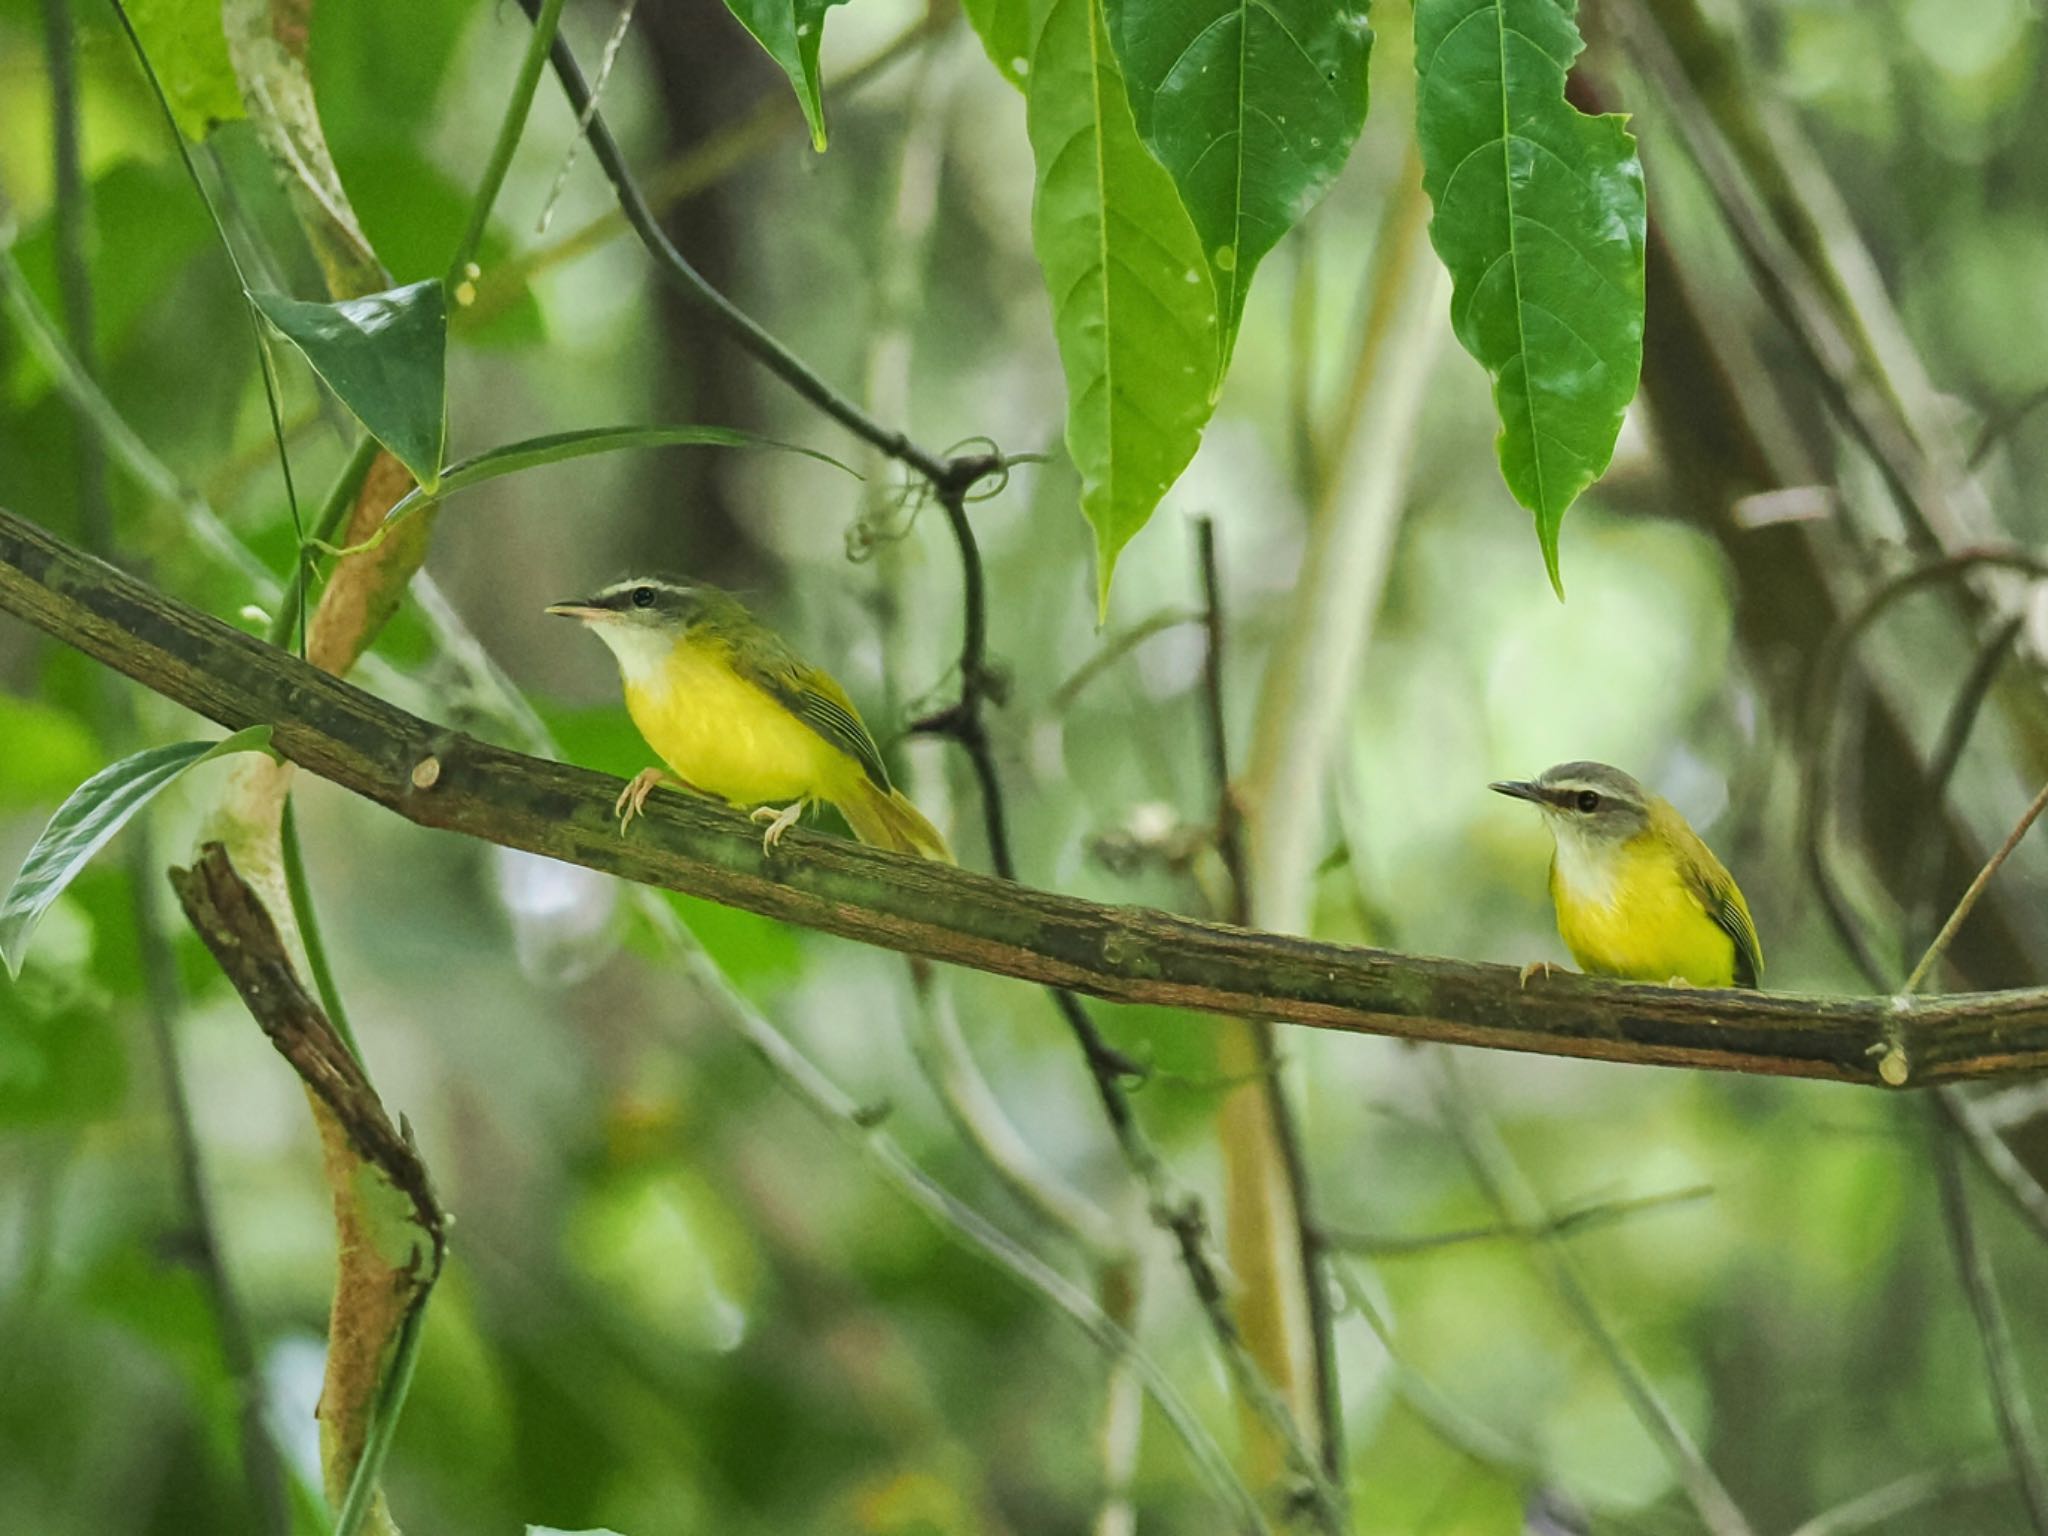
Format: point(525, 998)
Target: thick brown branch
point(382, 1280)
point(442, 778)
point(231, 920)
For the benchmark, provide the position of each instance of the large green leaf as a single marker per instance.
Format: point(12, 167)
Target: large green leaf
point(84, 824)
point(189, 50)
point(790, 31)
point(1539, 216)
point(1252, 106)
point(1134, 310)
point(385, 357)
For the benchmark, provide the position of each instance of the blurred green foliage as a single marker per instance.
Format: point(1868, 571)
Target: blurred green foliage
point(676, 1302)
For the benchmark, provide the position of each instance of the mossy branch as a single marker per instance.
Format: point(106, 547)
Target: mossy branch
point(442, 778)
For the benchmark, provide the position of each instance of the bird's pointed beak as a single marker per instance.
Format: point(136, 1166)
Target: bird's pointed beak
point(1520, 789)
point(579, 609)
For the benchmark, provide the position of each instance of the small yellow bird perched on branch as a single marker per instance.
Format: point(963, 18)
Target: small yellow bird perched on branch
point(739, 716)
point(1638, 895)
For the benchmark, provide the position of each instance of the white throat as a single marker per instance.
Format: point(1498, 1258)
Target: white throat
point(641, 651)
point(1585, 870)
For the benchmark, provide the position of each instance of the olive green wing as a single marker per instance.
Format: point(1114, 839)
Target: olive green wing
point(1722, 898)
point(764, 658)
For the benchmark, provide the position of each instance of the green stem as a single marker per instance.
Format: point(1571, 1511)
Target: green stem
point(262, 1471)
point(308, 920)
point(510, 129)
point(340, 497)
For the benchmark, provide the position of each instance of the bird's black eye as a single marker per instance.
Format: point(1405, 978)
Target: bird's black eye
point(643, 597)
point(1588, 801)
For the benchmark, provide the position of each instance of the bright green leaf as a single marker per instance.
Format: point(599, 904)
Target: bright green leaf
point(385, 357)
point(1004, 27)
point(189, 51)
point(790, 30)
point(1252, 106)
point(85, 823)
point(1134, 311)
point(558, 447)
point(1539, 216)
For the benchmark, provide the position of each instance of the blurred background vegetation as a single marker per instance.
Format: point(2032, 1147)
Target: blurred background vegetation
point(678, 1302)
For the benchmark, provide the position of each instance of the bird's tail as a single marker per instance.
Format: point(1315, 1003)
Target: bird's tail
point(883, 818)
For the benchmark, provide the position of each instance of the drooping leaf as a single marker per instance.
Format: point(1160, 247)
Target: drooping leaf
point(790, 30)
point(385, 357)
point(1539, 217)
point(85, 823)
point(1004, 27)
point(1134, 310)
point(189, 50)
point(1252, 106)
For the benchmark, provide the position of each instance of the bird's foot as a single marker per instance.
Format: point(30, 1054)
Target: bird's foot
point(633, 798)
point(1676, 981)
point(1540, 968)
point(778, 822)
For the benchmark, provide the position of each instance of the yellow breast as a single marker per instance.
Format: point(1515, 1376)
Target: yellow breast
point(726, 736)
point(1635, 917)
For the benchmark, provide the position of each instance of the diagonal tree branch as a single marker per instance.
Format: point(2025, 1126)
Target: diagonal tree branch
point(442, 778)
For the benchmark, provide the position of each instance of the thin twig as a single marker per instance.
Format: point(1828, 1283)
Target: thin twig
point(1229, 816)
point(1494, 1170)
point(1114, 650)
point(1922, 861)
point(614, 40)
point(1821, 694)
point(1980, 1285)
point(702, 166)
point(1567, 1223)
point(943, 474)
point(1175, 1211)
point(2022, 1191)
point(953, 1215)
point(1952, 1116)
point(2002, 423)
point(1230, 846)
point(1971, 896)
point(1916, 1491)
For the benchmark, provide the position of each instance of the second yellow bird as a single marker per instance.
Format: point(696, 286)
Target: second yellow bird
point(1638, 895)
point(739, 716)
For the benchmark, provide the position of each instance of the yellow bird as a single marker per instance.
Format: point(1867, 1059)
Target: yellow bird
point(1638, 895)
point(739, 716)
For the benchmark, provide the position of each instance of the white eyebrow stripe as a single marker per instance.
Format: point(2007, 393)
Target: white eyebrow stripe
point(631, 582)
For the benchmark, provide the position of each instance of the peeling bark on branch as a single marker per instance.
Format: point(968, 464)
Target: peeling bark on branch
point(1127, 954)
point(385, 1266)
